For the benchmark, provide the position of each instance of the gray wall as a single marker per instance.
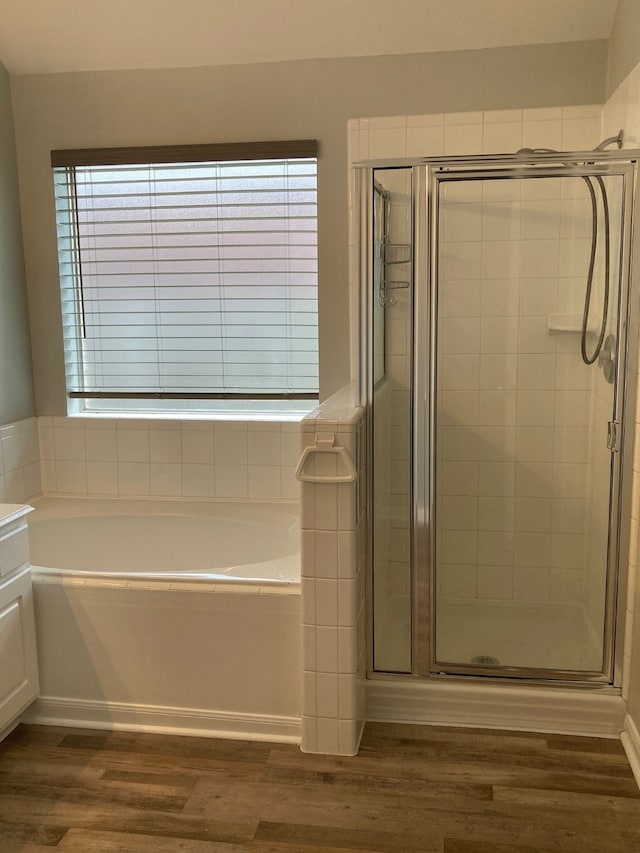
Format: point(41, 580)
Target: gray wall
point(16, 387)
point(624, 43)
point(302, 99)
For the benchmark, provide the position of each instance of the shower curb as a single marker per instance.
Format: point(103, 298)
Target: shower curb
point(596, 713)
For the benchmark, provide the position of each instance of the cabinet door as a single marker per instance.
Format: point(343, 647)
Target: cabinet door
point(18, 663)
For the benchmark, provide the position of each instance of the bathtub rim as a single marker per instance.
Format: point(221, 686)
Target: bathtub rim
point(46, 504)
point(54, 507)
point(177, 582)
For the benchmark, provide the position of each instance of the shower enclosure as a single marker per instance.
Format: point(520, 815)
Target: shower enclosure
point(497, 351)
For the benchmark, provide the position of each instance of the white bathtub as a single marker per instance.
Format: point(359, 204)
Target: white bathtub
point(211, 541)
point(168, 616)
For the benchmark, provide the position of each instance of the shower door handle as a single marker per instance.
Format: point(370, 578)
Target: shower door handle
point(612, 436)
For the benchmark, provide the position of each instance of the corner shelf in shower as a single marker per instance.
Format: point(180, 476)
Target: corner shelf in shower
point(392, 255)
point(569, 323)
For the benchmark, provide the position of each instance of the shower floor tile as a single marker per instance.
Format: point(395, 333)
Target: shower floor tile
point(547, 636)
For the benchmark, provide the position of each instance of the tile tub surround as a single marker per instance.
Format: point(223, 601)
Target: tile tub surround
point(333, 588)
point(226, 460)
point(20, 476)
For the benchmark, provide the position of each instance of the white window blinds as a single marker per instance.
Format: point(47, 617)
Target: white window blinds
point(189, 275)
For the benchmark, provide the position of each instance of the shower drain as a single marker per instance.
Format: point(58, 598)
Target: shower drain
point(485, 660)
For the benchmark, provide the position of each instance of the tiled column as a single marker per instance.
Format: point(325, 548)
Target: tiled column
point(333, 583)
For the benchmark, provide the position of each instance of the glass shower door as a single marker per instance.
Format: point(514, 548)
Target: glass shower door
point(524, 445)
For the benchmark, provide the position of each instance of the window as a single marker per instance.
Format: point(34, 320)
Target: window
point(188, 276)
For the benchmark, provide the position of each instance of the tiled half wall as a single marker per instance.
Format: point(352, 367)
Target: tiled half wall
point(333, 582)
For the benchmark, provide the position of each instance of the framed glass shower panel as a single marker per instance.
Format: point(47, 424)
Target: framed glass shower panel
point(525, 468)
point(391, 308)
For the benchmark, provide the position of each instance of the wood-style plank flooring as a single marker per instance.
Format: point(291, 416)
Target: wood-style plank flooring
point(411, 788)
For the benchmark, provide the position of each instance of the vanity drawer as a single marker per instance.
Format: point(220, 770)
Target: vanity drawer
point(14, 546)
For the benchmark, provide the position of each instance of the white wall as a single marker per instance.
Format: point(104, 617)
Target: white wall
point(302, 99)
point(624, 44)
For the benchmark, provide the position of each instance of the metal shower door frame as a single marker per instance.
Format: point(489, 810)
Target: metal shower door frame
point(426, 180)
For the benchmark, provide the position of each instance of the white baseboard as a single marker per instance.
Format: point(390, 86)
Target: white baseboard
point(77, 713)
point(597, 713)
point(577, 712)
point(630, 738)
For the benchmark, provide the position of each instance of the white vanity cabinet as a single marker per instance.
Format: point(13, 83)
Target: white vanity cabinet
point(18, 662)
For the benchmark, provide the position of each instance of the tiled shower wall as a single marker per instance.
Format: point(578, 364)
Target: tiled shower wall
point(511, 531)
point(490, 132)
point(514, 405)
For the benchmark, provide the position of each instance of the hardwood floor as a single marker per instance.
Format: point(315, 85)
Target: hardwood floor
point(411, 788)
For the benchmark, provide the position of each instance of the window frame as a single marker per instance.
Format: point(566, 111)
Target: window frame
point(180, 154)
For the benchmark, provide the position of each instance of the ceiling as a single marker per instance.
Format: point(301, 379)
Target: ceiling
point(42, 36)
